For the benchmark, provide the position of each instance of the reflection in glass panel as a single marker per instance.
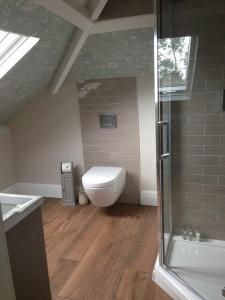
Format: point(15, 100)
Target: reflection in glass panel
point(176, 64)
point(174, 58)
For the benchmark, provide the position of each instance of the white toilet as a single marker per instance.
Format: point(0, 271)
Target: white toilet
point(104, 185)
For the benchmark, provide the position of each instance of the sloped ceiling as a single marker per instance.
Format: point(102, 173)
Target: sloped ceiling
point(37, 68)
point(119, 54)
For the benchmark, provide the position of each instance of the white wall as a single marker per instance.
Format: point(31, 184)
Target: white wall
point(46, 132)
point(7, 163)
point(146, 105)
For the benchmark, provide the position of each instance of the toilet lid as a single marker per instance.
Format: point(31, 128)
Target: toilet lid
point(101, 176)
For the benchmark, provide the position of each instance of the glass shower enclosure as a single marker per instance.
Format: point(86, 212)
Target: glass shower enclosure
point(191, 143)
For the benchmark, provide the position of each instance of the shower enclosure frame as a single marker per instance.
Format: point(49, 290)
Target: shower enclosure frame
point(159, 123)
point(159, 161)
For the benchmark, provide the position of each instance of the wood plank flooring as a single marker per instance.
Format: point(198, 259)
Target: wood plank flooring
point(101, 253)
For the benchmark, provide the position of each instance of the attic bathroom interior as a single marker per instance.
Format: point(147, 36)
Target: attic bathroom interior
point(112, 150)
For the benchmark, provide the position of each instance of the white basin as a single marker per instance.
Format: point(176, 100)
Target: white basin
point(17, 207)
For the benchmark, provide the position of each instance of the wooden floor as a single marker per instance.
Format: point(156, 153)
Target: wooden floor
point(101, 254)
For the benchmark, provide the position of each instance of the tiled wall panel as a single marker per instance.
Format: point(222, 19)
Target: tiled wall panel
point(198, 125)
point(112, 147)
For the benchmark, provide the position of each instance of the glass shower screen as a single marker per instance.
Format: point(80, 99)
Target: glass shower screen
point(191, 142)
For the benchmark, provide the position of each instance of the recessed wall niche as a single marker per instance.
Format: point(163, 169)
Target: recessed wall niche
point(112, 146)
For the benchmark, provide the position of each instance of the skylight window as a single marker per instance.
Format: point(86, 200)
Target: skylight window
point(177, 58)
point(12, 48)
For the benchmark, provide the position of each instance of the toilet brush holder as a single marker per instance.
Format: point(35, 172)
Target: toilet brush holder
point(83, 199)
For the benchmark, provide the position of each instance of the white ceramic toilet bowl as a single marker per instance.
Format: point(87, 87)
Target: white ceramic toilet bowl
point(104, 185)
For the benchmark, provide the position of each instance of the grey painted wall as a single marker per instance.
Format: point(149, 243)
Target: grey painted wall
point(7, 159)
point(45, 133)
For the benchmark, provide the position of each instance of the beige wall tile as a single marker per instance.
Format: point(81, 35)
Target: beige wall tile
point(113, 147)
point(198, 193)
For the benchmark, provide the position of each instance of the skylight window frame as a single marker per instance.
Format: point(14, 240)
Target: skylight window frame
point(184, 88)
point(20, 46)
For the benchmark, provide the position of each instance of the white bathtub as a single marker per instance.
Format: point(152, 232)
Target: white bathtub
point(16, 207)
point(200, 264)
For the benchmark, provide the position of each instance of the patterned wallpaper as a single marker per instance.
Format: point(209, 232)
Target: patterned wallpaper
point(116, 54)
point(36, 69)
point(120, 54)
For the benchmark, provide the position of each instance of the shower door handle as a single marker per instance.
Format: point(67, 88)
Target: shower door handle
point(163, 154)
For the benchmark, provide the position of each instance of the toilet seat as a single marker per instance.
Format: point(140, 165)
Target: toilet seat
point(100, 177)
point(104, 185)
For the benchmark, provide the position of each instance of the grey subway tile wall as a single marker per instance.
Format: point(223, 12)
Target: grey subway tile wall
point(198, 124)
point(112, 147)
